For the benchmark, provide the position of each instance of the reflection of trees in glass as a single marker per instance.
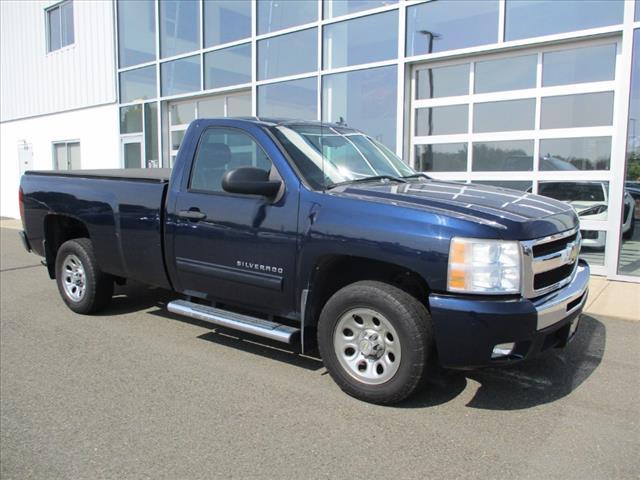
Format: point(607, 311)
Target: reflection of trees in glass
point(633, 165)
point(582, 163)
point(441, 158)
point(487, 157)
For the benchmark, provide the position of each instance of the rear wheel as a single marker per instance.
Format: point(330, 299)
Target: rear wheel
point(375, 340)
point(82, 285)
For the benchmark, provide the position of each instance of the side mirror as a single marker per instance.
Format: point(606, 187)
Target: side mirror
point(250, 181)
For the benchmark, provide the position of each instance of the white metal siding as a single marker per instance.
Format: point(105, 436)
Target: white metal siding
point(80, 75)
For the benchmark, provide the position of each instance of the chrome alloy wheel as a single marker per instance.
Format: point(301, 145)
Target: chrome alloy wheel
point(367, 346)
point(74, 279)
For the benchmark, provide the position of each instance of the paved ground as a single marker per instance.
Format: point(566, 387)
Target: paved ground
point(138, 393)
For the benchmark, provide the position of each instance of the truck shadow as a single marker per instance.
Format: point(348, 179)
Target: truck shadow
point(544, 379)
point(550, 376)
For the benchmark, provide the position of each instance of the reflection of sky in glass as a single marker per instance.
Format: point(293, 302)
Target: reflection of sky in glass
point(634, 104)
point(447, 25)
point(534, 18)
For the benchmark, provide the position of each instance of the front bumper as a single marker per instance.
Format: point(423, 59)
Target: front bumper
point(468, 328)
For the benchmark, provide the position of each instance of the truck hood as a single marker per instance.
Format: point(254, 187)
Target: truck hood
point(517, 215)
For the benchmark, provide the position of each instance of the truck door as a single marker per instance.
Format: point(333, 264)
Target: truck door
point(239, 249)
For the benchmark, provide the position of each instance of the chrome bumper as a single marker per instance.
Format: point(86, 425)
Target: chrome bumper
point(566, 301)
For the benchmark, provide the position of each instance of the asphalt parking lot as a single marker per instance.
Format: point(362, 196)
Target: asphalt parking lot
point(140, 393)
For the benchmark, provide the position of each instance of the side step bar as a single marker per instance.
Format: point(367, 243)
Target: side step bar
point(236, 321)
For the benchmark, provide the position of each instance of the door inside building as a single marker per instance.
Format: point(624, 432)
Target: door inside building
point(132, 151)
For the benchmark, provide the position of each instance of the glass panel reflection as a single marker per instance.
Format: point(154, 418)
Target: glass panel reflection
point(504, 116)
point(288, 54)
point(138, 84)
point(352, 42)
point(182, 113)
point(442, 81)
point(579, 65)
point(584, 110)
point(347, 98)
point(336, 8)
point(179, 27)
point(442, 157)
point(629, 259)
point(239, 105)
point(507, 156)
point(294, 99)
point(226, 21)
point(523, 186)
point(229, 66)
point(442, 120)
point(590, 199)
point(136, 32)
point(533, 18)
point(131, 119)
point(513, 73)
point(277, 14)
point(448, 25)
point(575, 153)
point(180, 76)
point(151, 135)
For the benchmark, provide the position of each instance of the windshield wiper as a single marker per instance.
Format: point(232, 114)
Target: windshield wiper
point(416, 175)
point(367, 179)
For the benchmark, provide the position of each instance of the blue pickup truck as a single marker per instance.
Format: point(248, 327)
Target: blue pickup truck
point(316, 234)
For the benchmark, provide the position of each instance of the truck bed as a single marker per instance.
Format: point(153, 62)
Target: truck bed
point(144, 174)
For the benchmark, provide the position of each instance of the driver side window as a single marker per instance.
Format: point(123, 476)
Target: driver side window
point(221, 150)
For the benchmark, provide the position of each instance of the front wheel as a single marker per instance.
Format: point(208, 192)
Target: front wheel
point(82, 285)
point(375, 340)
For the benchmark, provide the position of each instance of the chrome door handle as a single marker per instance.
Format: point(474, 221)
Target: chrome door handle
point(191, 214)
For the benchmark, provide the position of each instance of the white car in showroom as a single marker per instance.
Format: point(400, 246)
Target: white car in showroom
point(590, 200)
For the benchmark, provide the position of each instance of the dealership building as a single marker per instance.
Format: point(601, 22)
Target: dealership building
point(540, 96)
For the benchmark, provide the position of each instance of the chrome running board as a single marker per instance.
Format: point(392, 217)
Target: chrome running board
point(236, 321)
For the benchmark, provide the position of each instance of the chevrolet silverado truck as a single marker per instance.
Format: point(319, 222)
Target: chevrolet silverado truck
point(317, 235)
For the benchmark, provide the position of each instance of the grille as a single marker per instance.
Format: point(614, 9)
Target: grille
point(550, 263)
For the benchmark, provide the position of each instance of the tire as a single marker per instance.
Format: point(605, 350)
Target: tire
point(384, 374)
point(82, 285)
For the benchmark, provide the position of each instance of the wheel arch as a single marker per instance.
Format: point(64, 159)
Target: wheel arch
point(57, 230)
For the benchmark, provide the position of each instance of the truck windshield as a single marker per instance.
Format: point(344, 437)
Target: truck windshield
point(329, 155)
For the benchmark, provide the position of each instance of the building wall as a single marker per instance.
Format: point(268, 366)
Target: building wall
point(35, 82)
point(96, 129)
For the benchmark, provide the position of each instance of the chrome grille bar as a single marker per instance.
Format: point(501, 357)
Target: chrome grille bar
point(535, 265)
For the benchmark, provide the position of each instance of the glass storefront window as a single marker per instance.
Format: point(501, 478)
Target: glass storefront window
point(226, 21)
point(211, 107)
point(449, 25)
point(584, 110)
point(226, 67)
point(589, 198)
point(579, 65)
point(504, 116)
point(151, 135)
point(293, 99)
point(138, 84)
point(239, 105)
point(180, 76)
point(288, 54)
point(352, 42)
point(575, 153)
point(276, 15)
point(182, 113)
point(534, 18)
point(441, 157)
point(136, 32)
point(179, 27)
point(131, 119)
point(629, 259)
point(442, 82)
point(513, 73)
point(442, 120)
point(523, 186)
point(336, 8)
point(502, 156)
point(347, 98)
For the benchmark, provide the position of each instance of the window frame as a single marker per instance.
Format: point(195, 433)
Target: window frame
point(47, 25)
point(223, 192)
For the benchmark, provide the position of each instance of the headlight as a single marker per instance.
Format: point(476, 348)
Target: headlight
point(483, 266)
